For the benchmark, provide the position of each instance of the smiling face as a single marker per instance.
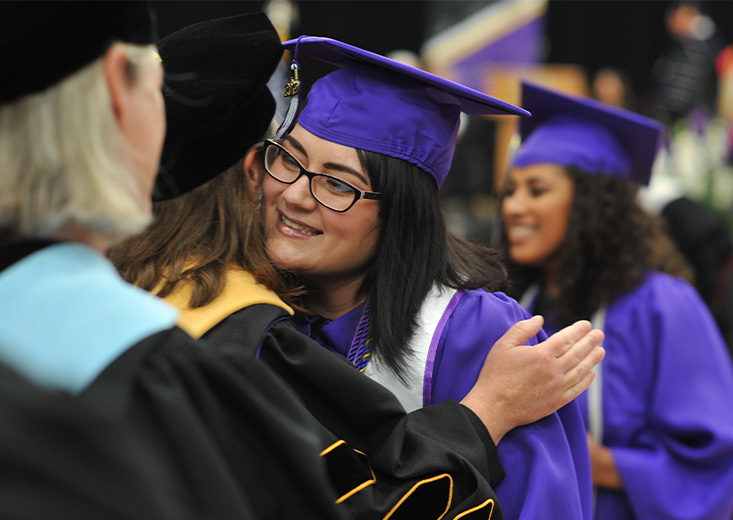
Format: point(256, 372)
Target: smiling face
point(320, 245)
point(536, 209)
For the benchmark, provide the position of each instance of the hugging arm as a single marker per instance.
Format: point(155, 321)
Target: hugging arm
point(520, 384)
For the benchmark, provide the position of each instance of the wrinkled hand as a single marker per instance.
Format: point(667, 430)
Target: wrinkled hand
point(520, 384)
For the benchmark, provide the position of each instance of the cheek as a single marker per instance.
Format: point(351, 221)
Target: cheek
point(369, 233)
point(270, 188)
point(267, 194)
point(558, 223)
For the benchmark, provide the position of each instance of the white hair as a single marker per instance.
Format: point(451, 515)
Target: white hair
point(62, 160)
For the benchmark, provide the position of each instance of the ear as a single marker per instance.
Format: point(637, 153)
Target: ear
point(254, 170)
point(115, 65)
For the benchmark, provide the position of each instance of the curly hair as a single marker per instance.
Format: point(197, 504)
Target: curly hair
point(610, 245)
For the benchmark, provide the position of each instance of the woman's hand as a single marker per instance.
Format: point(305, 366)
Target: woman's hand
point(520, 384)
point(603, 466)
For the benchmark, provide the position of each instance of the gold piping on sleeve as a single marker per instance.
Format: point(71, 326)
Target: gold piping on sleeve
point(412, 490)
point(333, 446)
point(361, 486)
point(358, 488)
point(489, 501)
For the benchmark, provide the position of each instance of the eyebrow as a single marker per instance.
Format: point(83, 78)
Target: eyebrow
point(539, 180)
point(329, 165)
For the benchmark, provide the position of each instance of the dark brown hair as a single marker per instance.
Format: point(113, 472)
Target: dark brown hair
point(197, 237)
point(415, 250)
point(610, 245)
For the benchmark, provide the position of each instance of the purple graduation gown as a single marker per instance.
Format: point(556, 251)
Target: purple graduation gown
point(547, 463)
point(667, 390)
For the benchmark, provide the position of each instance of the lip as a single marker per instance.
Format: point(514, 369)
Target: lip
point(519, 233)
point(287, 226)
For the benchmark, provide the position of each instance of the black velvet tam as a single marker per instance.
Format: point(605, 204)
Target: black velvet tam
point(216, 97)
point(41, 43)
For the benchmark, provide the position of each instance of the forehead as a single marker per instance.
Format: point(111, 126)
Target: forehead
point(542, 172)
point(321, 150)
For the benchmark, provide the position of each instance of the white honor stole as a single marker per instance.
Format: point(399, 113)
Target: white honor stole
point(430, 324)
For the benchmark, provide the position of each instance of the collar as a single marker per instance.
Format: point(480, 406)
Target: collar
point(241, 290)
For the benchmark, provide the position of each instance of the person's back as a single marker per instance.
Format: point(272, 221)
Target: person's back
point(67, 459)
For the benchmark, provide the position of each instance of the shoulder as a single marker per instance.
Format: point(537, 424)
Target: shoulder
point(662, 307)
point(89, 315)
point(485, 315)
point(59, 272)
point(246, 326)
point(661, 291)
point(497, 304)
point(170, 365)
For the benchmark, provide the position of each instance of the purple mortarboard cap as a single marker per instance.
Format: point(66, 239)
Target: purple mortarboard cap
point(381, 105)
point(588, 134)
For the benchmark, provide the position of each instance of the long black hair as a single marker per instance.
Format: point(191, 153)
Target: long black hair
point(415, 250)
point(610, 245)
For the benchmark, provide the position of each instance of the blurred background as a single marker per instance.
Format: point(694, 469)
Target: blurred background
point(672, 61)
point(661, 58)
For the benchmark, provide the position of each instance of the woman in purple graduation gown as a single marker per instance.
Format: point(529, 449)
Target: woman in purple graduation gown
point(659, 415)
point(388, 286)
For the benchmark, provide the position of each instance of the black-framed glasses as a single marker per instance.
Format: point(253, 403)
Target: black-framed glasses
point(330, 191)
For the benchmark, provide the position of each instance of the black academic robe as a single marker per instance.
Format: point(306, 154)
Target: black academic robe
point(239, 435)
point(215, 436)
point(256, 430)
point(246, 440)
point(436, 460)
point(64, 459)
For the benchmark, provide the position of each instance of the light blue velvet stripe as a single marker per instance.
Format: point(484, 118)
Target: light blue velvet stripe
point(65, 314)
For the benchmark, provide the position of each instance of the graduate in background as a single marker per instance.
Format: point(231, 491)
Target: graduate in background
point(659, 413)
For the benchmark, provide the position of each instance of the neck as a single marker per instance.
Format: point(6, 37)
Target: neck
point(332, 299)
point(85, 236)
point(551, 287)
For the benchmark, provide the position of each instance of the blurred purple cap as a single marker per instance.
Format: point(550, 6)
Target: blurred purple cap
point(582, 132)
point(384, 106)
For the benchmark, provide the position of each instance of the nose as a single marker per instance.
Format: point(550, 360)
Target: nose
point(299, 194)
point(513, 204)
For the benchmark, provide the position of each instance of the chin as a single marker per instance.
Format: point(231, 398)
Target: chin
point(280, 259)
point(527, 261)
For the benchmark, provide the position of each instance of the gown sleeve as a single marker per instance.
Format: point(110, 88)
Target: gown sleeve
point(547, 462)
point(667, 403)
point(438, 462)
point(285, 437)
point(240, 440)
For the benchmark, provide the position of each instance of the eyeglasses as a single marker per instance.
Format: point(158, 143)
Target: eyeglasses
point(334, 193)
